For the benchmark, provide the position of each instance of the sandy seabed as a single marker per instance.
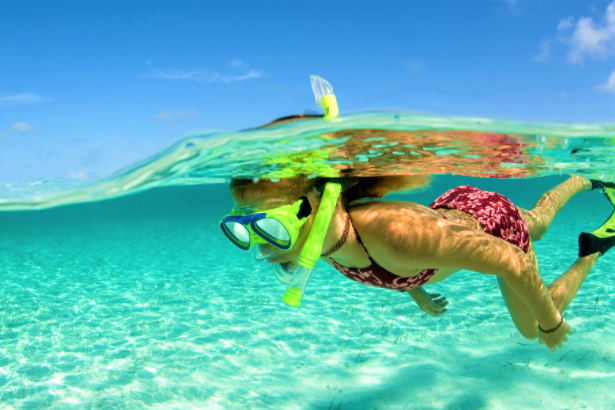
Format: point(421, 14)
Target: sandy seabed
point(162, 313)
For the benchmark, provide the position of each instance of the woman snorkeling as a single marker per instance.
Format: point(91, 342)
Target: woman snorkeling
point(404, 246)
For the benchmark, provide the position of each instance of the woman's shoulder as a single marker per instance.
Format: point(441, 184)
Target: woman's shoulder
point(388, 220)
point(389, 228)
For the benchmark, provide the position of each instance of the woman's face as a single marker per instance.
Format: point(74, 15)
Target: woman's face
point(249, 201)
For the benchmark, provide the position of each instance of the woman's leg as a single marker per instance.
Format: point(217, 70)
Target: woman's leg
point(540, 217)
point(562, 290)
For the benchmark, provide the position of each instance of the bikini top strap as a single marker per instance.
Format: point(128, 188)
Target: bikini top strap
point(359, 239)
point(361, 242)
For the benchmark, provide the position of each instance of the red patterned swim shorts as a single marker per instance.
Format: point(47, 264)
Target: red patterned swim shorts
point(498, 216)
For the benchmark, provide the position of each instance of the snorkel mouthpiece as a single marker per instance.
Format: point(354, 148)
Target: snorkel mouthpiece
point(313, 245)
point(296, 286)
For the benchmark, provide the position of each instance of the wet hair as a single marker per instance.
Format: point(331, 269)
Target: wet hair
point(290, 118)
point(368, 188)
point(354, 189)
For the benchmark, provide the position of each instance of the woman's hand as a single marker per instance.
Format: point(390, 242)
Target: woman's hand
point(427, 302)
point(555, 339)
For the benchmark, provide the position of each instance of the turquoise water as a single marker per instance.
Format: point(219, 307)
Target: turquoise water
point(138, 302)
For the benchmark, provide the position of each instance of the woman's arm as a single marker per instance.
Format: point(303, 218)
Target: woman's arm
point(427, 302)
point(422, 240)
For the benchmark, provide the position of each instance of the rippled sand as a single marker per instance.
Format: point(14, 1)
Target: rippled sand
point(139, 302)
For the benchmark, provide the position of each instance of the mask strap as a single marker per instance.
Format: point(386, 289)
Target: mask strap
point(305, 208)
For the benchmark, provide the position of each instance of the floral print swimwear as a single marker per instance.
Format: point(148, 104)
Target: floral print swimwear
point(498, 216)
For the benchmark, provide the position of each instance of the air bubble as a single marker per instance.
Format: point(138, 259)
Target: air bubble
point(541, 142)
point(565, 143)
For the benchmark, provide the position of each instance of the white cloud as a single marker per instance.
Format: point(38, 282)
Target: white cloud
point(250, 74)
point(514, 6)
point(565, 24)
point(584, 37)
point(609, 86)
point(45, 154)
point(3, 136)
point(21, 98)
point(201, 76)
point(234, 63)
point(168, 116)
point(415, 64)
point(545, 51)
point(77, 175)
point(174, 75)
point(165, 116)
point(23, 127)
point(589, 39)
point(186, 115)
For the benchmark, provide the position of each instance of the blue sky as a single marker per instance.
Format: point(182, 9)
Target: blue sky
point(89, 87)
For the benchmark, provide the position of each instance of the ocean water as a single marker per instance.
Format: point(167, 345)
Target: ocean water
point(110, 300)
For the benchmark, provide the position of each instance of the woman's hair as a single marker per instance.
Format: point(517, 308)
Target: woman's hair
point(353, 188)
point(377, 187)
point(290, 118)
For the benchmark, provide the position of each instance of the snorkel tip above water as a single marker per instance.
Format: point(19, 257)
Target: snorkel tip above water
point(325, 99)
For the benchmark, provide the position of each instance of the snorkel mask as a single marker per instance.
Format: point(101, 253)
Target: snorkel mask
point(280, 228)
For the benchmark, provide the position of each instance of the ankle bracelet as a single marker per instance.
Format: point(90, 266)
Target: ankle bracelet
point(552, 330)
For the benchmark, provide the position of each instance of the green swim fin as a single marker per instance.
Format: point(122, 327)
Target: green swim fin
point(601, 185)
point(603, 238)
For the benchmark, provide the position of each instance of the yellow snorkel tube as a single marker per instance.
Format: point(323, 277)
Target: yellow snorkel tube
point(296, 278)
point(313, 245)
